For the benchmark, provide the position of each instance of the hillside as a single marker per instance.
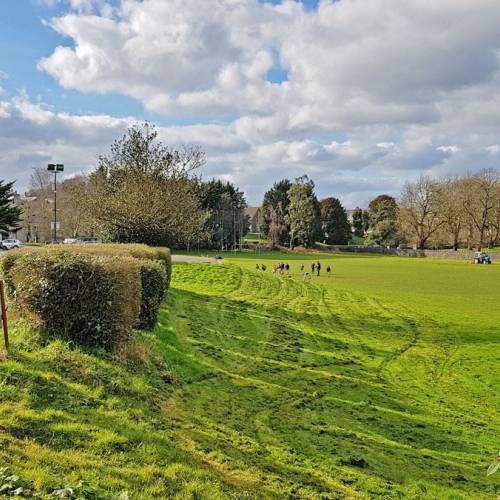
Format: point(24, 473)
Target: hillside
point(254, 385)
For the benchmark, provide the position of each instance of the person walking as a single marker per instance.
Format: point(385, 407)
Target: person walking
point(318, 267)
point(328, 270)
point(313, 268)
point(302, 268)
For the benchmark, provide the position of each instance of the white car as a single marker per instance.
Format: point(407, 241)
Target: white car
point(9, 244)
point(70, 241)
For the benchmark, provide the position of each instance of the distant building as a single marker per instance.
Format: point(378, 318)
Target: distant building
point(350, 212)
point(253, 214)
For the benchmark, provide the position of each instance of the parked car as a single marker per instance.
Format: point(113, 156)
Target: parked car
point(86, 240)
point(481, 258)
point(70, 241)
point(9, 244)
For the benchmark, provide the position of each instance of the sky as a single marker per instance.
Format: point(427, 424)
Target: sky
point(361, 95)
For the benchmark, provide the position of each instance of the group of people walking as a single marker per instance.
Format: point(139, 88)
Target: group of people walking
point(280, 268)
point(284, 268)
point(316, 268)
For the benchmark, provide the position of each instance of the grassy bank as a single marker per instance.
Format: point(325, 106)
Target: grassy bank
point(68, 416)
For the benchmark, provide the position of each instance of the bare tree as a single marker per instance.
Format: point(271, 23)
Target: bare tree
point(420, 210)
point(75, 220)
point(39, 215)
point(451, 208)
point(481, 201)
point(495, 220)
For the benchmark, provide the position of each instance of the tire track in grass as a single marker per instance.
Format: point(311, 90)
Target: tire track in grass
point(220, 317)
point(272, 414)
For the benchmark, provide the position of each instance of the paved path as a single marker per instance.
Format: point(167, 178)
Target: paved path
point(192, 258)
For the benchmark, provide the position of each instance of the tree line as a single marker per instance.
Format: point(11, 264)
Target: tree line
point(144, 191)
point(462, 211)
point(292, 215)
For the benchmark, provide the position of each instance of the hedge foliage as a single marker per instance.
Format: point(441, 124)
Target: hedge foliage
point(154, 289)
point(91, 294)
point(136, 250)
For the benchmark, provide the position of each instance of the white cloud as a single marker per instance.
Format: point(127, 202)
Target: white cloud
point(376, 92)
point(448, 149)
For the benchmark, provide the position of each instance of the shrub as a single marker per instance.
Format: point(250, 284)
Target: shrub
point(92, 300)
point(154, 288)
point(151, 266)
point(6, 264)
point(136, 250)
point(156, 270)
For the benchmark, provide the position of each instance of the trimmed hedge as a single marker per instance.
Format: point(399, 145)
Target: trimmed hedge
point(154, 289)
point(136, 250)
point(90, 300)
point(91, 294)
point(7, 263)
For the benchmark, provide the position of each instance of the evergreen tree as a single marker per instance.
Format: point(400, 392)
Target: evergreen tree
point(225, 205)
point(303, 212)
point(366, 221)
point(334, 223)
point(383, 212)
point(274, 224)
point(10, 215)
point(357, 222)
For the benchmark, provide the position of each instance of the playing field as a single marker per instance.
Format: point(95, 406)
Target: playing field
point(381, 379)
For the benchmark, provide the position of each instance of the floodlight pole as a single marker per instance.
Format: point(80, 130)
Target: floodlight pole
point(51, 167)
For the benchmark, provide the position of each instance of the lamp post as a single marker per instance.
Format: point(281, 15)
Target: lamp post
point(56, 168)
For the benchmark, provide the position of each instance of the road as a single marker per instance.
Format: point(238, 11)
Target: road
point(194, 259)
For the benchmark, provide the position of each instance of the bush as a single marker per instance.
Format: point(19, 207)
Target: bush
point(60, 302)
point(6, 264)
point(156, 265)
point(136, 250)
point(92, 300)
point(154, 288)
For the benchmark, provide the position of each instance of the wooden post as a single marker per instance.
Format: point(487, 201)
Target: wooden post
point(3, 308)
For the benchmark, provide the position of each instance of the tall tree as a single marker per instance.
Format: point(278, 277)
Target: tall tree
point(10, 215)
point(278, 230)
point(481, 201)
point(366, 221)
point(420, 213)
point(75, 221)
point(274, 213)
point(334, 222)
point(143, 192)
point(383, 214)
point(225, 205)
point(303, 212)
point(451, 208)
point(40, 209)
point(357, 222)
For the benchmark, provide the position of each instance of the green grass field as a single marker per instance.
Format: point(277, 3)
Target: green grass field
point(378, 381)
